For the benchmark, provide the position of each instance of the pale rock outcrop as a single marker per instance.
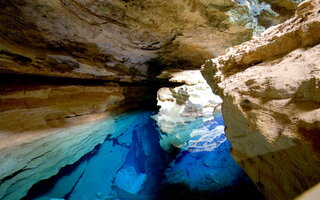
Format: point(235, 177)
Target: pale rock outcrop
point(311, 194)
point(271, 103)
point(46, 127)
point(182, 104)
point(27, 160)
point(126, 40)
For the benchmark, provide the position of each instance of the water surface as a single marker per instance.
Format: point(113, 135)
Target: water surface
point(131, 165)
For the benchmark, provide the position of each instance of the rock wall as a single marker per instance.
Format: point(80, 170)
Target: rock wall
point(44, 127)
point(125, 40)
point(119, 41)
point(271, 103)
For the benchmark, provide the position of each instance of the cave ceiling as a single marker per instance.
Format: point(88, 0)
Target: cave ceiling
point(126, 40)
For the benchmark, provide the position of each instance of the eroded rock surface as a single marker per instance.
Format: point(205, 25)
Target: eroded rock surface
point(271, 103)
point(45, 127)
point(126, 40)
point(119, 41)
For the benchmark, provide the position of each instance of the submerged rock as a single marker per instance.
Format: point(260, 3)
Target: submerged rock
point(204, 168)
point(205, 162)
point(48, 126)
point(127, 165)
point(270, 92)
point(44, 127)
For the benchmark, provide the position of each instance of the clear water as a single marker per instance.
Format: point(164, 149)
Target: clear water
point(204, 167)
point(130, 165)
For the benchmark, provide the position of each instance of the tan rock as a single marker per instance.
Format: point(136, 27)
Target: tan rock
point(311, 194)
point(46, 127)
point(270, 91)
point(124, 40)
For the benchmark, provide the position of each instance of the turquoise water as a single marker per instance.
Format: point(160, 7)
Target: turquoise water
point(130, 165)
point(204, 167)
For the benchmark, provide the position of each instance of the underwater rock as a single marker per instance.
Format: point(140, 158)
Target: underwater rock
point(205, 168)
point(205, 162)
point(30, 161)
point(270, 92)
point(45, 127)
point(128, 165)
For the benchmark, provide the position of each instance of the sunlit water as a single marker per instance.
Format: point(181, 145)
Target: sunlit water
point(130, 165)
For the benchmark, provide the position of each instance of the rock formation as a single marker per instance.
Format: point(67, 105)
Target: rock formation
point(128, 165)
point(271, 103)
point(67, 65)
point(128, 40)
point(45, 126)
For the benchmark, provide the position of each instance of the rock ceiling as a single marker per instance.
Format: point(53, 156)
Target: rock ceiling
point(126, 40)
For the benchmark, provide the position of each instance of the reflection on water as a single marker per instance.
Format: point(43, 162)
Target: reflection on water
point(131, 165)
point(204, 168)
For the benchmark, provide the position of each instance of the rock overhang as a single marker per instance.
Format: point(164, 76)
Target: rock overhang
point(126, 41)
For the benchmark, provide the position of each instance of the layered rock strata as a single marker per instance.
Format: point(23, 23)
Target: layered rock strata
point(120, 41)
point(125, 40)
point(271, 103)
point(46, 127)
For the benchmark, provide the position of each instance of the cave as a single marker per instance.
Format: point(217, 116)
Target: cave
point(159, 99)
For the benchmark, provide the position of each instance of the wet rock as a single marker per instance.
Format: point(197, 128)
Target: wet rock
point(48, 126)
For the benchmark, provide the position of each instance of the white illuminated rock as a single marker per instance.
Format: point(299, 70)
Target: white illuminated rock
point(183, 104)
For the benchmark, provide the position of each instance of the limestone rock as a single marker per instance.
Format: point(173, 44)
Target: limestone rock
point(46, 127)
point(311, 194)
point(125, 40)
point(270, 92)
point(119, 41)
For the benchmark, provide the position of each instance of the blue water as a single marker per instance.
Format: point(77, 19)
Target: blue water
point(204, 167)
point(130, 165)
point(205, 162)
